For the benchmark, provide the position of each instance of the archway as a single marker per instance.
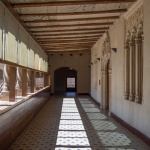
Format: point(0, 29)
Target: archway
point(65, 80)
point(106, 74)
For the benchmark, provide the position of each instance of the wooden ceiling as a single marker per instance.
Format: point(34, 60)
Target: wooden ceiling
point(61, 26)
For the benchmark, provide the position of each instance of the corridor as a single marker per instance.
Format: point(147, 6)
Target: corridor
point(75, 123)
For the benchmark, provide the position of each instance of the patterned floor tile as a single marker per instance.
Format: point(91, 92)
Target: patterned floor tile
point(96, 116)
point(119, 149)
point(71, 122)
point(114, 139)
point(91, 110)
point(75, 134)
point(70, 114)
point(85, 102)
point(69, 110)
point(103, 125)
point(88, 105)
point(70, 117)
point(64, 148)
point(73, 141)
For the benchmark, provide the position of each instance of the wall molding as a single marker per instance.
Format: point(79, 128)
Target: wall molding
point(132, 129)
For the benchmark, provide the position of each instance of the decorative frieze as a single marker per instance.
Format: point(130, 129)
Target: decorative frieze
point(134, 19)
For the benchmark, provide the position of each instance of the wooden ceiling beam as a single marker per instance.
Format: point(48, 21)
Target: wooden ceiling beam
point(69, 30)
point(80, 33)
point(69, 38)
point(70, 25)
point(62, 47)
point(67, 3)
point(68, 52)
point(72, 20)
point(74, 13)
point(65, 44)
point(39, 38)
point(68, 41)
point(63, 50)
point(69, 47)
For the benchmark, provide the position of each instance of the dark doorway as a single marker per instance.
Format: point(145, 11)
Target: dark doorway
point(60, 80)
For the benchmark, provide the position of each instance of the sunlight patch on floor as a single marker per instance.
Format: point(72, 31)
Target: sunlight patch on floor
point(71, 132)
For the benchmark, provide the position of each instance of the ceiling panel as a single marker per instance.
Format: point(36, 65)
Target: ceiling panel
point(60, 23)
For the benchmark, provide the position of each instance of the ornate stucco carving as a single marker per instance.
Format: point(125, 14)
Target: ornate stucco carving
point(106, 50)
point(133, 55)
point(134, 19)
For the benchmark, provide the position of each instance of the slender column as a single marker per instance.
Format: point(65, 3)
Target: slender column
point(5, 87)
point(126, 67)
point(28, 81)
point(37, 81)
point(110, 100)
point(49, 80)
point(12, 78)
point(103, 89)
point(24, 82)
point(139, 67)
point(32, 82)
point(42, 80)
point(132, 66)
point(45, 80)
point(19, 82)
point(142, 68)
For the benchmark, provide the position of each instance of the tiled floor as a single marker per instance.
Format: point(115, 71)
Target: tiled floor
point(75, 124)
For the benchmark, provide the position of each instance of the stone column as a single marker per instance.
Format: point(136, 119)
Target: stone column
point(24, 82)
point(126, 67)
point(5, 87)
point(12, 78)
point(32, 83)
point(42, 80)
point(103, 105)
point(110, 100)
point(19, 82)
point(36, 82)
point(132, 66)
point(48, 80)
point(139, 66)
point(45, 79)
point(28, 81)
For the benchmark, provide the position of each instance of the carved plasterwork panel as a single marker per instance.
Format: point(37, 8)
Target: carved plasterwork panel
point(106, 49)
point(134, 19)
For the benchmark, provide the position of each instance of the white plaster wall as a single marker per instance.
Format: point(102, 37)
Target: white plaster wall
point(137, 115)
point(79, 63)
point(96, 92)
point(146, 73)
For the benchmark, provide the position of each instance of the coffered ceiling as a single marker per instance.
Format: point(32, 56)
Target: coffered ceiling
point(67, 26)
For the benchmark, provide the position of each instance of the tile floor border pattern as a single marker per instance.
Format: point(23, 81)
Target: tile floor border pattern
point(42, 132)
